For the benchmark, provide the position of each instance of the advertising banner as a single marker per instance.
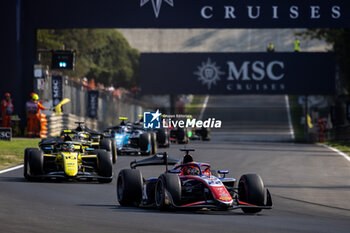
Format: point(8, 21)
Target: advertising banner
point(93, 104)
point(5, 134)
point(190, 13)
point(238, 73)
point(57, 91)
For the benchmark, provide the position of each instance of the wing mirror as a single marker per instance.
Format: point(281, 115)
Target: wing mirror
point(223, 172)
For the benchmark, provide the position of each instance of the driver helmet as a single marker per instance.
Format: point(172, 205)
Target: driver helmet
point(191, 170)
point(69, 147)
point(80, 136)
point(80, 128)
point(187, 159)
point(35, 97)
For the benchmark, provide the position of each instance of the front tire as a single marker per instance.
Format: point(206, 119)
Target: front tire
point(26, 167)
point(154, 143)
point(145, 144)
point(167, 184)
point(129, 187)
point(251, 190)
point(36, 162)
point(105, 166)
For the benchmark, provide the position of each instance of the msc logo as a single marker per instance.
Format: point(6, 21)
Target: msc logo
point(209, 73)
point(151, 120)
point(157, 4)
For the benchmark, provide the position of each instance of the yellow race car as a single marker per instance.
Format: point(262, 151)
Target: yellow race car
point(96, 140)
point(67, 159)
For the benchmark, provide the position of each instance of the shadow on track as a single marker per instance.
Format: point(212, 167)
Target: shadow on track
point(50, 181)
point(118, 208)
point(311, 203)
point(12, 179)
point(308, 187)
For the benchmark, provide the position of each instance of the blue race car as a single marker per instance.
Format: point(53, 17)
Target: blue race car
point(131, 139)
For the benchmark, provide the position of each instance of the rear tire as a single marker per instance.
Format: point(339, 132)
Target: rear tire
point(26, 167)
point(129, 187)
point(154, 144)
point(163, 137)
point(114, 151)
point(105, 166)
point(182, 136)
point(205, 134)
point(145, 144)
point(170, 183)
point(251, 190)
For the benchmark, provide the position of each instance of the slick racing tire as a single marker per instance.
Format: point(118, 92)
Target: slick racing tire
point(163, 138)
point(105, 166)
point(145, 144)
point(26, 167)
point(106, 144)
point(181, 136)
point(114, 151)
point(251, 190)
point(154, 144)
point(167, 184)
point(36, 162)
point(129, 187)
point(205, 135)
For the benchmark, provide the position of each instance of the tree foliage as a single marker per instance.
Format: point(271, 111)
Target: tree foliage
point(340, 40)
point(101, 54)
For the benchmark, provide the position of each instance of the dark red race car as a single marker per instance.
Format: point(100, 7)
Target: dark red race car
point(190, 185)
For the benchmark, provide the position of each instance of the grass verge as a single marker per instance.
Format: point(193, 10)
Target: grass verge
point(12, 152)
point(342, 146)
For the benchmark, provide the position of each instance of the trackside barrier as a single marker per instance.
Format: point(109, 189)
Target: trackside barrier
point(43, 125)
point(67, 121)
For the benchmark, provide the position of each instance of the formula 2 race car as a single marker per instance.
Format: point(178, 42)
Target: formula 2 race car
point(60, 159)
point(190, 185)
point(163, 137)
point(97, 140)
point(162, 134)
point(179, 135)
point(199, 134)
point(133, 139)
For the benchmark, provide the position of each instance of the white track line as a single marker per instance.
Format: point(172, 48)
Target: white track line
point(204, 107)
point(11, 169)
point(289, 117)
point(337, 151)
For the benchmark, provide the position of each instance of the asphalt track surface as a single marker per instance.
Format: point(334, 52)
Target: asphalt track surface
point(310, 187)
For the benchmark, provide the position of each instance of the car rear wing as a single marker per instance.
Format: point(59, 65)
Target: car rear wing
point(57, 141)
point(157, 159)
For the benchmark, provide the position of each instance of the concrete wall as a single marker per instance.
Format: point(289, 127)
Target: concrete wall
point(109, 107)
